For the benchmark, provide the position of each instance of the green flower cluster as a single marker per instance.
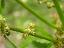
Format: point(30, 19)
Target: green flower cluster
point(49, 4)
point(4, 29)
point(29, 28)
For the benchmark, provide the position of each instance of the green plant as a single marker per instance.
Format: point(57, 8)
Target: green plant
point(57, 38)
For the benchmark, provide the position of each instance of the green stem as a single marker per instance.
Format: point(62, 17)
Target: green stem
point(36, 15)
point(16, 29)
point(0, 7)
point(59, 11)
point(0, 10)
point(10, 41)
point(35, 34)
point(41, 37)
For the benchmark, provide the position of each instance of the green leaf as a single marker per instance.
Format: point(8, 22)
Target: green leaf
point(25, 42)
point(41, 45)
point(44, 33)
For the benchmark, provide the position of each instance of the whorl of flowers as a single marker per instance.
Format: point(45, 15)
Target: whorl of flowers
point(4, 29)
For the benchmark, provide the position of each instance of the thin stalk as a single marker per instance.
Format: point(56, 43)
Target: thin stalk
point(10, 41)
point(59, 11)
point(16, 29)
point(0, 10)
point(36, 15)
point(35, 34)
point(41, 37)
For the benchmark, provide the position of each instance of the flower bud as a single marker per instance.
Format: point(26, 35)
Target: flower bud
point(50, 4)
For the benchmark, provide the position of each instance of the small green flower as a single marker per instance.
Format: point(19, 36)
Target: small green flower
point(29, 28)
point(2, 18)
point(42, 1)
point(45, 1)
point(4, 26)
point(39, 1)
point(50, 4)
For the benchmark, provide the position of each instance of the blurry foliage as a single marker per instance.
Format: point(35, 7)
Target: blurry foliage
point(41, 45)
point(17, 16)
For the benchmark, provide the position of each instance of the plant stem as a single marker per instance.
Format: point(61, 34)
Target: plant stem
point(10, 41)
point(59, 11)
point(36, 15)
point(0, 10)
point(35, 34)
point(39, 36)
point(0, 7)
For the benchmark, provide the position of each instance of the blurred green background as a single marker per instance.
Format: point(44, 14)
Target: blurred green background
point(17, 16)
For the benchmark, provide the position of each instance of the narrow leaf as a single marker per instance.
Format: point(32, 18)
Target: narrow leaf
point(25, 42)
